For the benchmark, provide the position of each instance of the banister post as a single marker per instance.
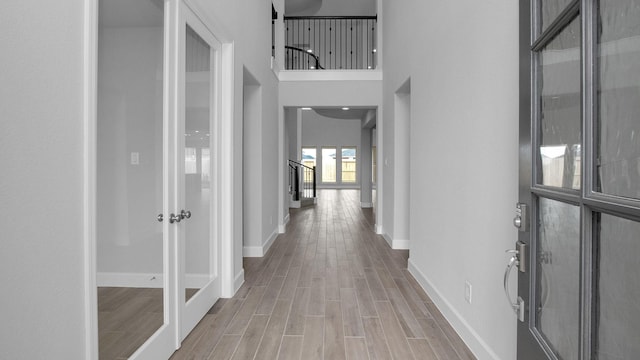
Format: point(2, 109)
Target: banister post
point(314, 181)
point(297, 186)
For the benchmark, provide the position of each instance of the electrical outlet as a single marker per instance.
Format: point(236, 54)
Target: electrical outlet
point(468, 291)
point(135, 158)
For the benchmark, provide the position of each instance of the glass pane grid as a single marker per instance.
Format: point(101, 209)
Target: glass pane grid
point(618, 108)
point(558, 271)
point(616, 325)
point(559, 104)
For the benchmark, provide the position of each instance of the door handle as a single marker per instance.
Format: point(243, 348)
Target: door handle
point(518, 305)
point(185, 214)
point(174, 218)
point(160, 217)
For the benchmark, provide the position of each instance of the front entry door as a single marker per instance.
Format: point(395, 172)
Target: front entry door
point(579, 210)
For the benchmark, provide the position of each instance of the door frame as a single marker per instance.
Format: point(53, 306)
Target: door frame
point(89, 149)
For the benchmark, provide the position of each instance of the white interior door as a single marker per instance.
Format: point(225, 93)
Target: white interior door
point(134, 239)
point(197, 138)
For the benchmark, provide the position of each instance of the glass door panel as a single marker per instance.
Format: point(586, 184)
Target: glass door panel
point(560, 121)
point(579, 279)
point(132, 232)
point(549, 11)
point(558, 268)
point(197, 174)
point(198, 240)
point(329, 165)
point(308, 159)
point(618, 59)
point(349, 165)
point(617, 322)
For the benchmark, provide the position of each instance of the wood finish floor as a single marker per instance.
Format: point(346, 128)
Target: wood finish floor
point(330, 288)
point(127, 317)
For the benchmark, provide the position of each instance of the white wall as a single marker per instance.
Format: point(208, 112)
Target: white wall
point(398, 237)
point(248, 25)
point(41, 157)
point(340, 8)
point(464, 91)
point(334, 90)
point(331, 93)
point(252, 171)
point(319, 131)
point(291, 122)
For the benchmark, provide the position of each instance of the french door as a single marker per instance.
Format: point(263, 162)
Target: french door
point(198, 121)
point(579, 201)
point(158, 214)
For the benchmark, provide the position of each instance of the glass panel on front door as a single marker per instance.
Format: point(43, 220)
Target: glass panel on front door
point(618, 74)
point(617, 322)
point(560, 121)
point(549, 11)
point(558, 259)
point(580, 120)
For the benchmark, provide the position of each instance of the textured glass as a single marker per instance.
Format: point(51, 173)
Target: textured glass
point(329, 165)
point(618, 315)
point(558, 284)
point(618, 98)
point(550, 9)
point(197, 162)
point(560, 125)
point(618, 289)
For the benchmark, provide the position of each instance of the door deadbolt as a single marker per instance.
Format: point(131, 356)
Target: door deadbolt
point(521, 221)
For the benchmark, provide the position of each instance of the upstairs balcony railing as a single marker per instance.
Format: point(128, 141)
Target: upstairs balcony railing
point(330, 42)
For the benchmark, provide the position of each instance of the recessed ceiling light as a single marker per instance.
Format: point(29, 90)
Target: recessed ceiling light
point(312, 67)
point(345, 108)
point(309, 50)
point(197, 131)
point(306, 108)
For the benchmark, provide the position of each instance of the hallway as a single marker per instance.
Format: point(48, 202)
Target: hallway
point(330, 288)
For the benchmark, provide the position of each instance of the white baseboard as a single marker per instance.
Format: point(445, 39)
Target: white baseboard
point(476, 344)
point(283, 228)
point(366, 205)
point(388, 239)
point(238, 281)
point(146, 280)
point(379, 230)
point(252, 251)
point(399, 244)
point(294, 204)
point(260, 251)
point(270, 241)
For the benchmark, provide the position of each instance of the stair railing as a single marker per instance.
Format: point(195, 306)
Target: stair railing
point(300, 59)
point(302, 181)
point(336, 42)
